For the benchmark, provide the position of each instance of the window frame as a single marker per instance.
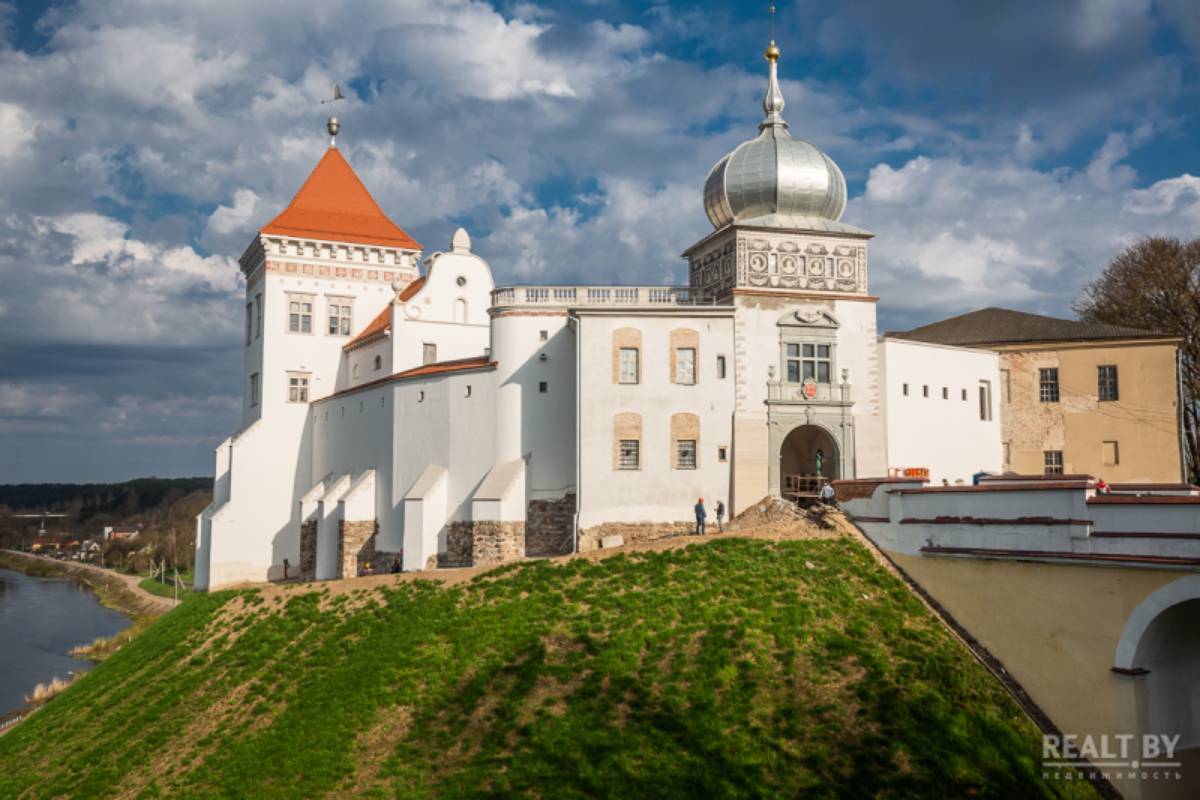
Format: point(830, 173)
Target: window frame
point(1052, 462)
point(255, 389)
point(807, 360)
point(1049, 390)
point(341, 321)
point(680, 361)
point(621, 365)
point(298, 386)
point(986, 407)
point(622, 464)
point(258, 312)
point(721, 367)
point(426, 349)
point(300, 299)
point(249, 323)
point(682, 447)
point(1106, 385)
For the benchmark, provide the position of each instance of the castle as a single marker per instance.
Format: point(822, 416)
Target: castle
point(400, 408)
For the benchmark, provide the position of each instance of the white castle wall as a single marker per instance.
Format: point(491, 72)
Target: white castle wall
point(944, 434)
point(657, 492)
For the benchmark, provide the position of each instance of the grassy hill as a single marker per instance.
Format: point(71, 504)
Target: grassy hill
point(734, 668)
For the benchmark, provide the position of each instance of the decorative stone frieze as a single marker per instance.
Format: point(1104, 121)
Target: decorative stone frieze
point(762, 259)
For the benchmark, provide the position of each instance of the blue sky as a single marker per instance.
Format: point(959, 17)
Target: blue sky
point(1002, 153)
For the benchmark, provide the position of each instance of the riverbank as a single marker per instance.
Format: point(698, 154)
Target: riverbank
point(114, 590)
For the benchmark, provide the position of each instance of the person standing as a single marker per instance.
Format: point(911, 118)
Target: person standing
point(701, 515)
point(720, 515)
point(828, 495)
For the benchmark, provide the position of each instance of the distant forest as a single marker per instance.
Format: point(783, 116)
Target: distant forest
point(164, 509)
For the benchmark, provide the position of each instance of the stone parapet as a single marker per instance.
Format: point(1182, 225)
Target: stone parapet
point(550, 526)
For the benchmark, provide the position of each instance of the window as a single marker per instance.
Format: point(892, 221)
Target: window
point(258, 315)
point(467, 393)
point(685, 365)
point(428, 353)
point(249, 322)
point(629, 454)
point(1048, 384)
point(1110, 454)
point(685, 454)
point(721, 367)
point(925, 391)
point(298, 388)
point(543, 335)
point(904, 389)
point(806, 361)
point(964, 394)
point(945, 393)
point(254, 389)
point(543, 387)
point(985, 400)
point(339, 316)
point(378, 362)
point(629, 365)
point(722, 454)
point(1054, 462)
point(1107, 377)
point(299, 314)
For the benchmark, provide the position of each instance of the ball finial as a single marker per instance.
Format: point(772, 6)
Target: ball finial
point(772, 52)
point(333, 126)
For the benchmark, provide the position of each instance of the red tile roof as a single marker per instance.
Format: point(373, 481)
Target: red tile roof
point(333, 205)
point(381, 323)
point(439, 368)
point(412, 289)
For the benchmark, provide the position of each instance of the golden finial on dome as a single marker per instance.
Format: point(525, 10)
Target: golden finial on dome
point(772, 52)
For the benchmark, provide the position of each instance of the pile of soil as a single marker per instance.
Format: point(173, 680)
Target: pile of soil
point(784, 517)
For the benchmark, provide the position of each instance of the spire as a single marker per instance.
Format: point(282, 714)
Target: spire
point(773, 99)
point(332, 125)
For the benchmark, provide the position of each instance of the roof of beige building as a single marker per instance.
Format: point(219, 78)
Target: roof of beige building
point(991, 326)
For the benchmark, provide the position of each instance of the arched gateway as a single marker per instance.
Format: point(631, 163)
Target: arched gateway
point(808, 454)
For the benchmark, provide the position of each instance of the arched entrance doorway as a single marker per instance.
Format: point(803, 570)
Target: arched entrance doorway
point(1159, 652)
point(809, 451)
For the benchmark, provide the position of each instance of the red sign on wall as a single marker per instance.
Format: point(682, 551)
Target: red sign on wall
point(809, 388)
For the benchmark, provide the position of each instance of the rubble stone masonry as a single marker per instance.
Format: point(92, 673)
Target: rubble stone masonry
point(633, 532)
point(356, 548)
point(483, 543)
point(550, 526)
point(308, 550)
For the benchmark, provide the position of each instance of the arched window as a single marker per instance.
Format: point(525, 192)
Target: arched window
point(354, 371)
point(460, 310)
point(378, 362)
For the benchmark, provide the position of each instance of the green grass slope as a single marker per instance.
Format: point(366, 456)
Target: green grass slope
point(730, 669)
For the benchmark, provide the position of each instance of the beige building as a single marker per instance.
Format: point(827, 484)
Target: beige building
point(1077, 397)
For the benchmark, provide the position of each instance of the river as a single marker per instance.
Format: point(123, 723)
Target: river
point(41, 619)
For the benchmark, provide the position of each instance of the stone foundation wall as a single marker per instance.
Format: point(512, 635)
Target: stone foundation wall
point(482, 544)
point(356, 549)
point(550, 526)
point(308, 550)
point(633, 532)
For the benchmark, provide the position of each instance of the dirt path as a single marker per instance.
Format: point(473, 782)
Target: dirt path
point(135, 599)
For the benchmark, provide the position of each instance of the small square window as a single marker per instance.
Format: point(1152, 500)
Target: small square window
point(297, 388)
point(543, 335)
point(685, 454)
point(428, 353)
point(629, 454)
point(722, 454)
point(543, 387)
point(1053, 462)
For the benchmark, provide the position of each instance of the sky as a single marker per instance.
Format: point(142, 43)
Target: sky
point(1001, 152)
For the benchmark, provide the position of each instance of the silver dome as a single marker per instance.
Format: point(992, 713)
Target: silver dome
point(774, 180)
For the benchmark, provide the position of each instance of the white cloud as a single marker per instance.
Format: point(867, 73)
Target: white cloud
point(953, 236)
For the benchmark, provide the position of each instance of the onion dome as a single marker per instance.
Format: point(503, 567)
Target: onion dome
point(774, 180)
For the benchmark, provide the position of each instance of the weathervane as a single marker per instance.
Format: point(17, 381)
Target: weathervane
point(332, 125)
